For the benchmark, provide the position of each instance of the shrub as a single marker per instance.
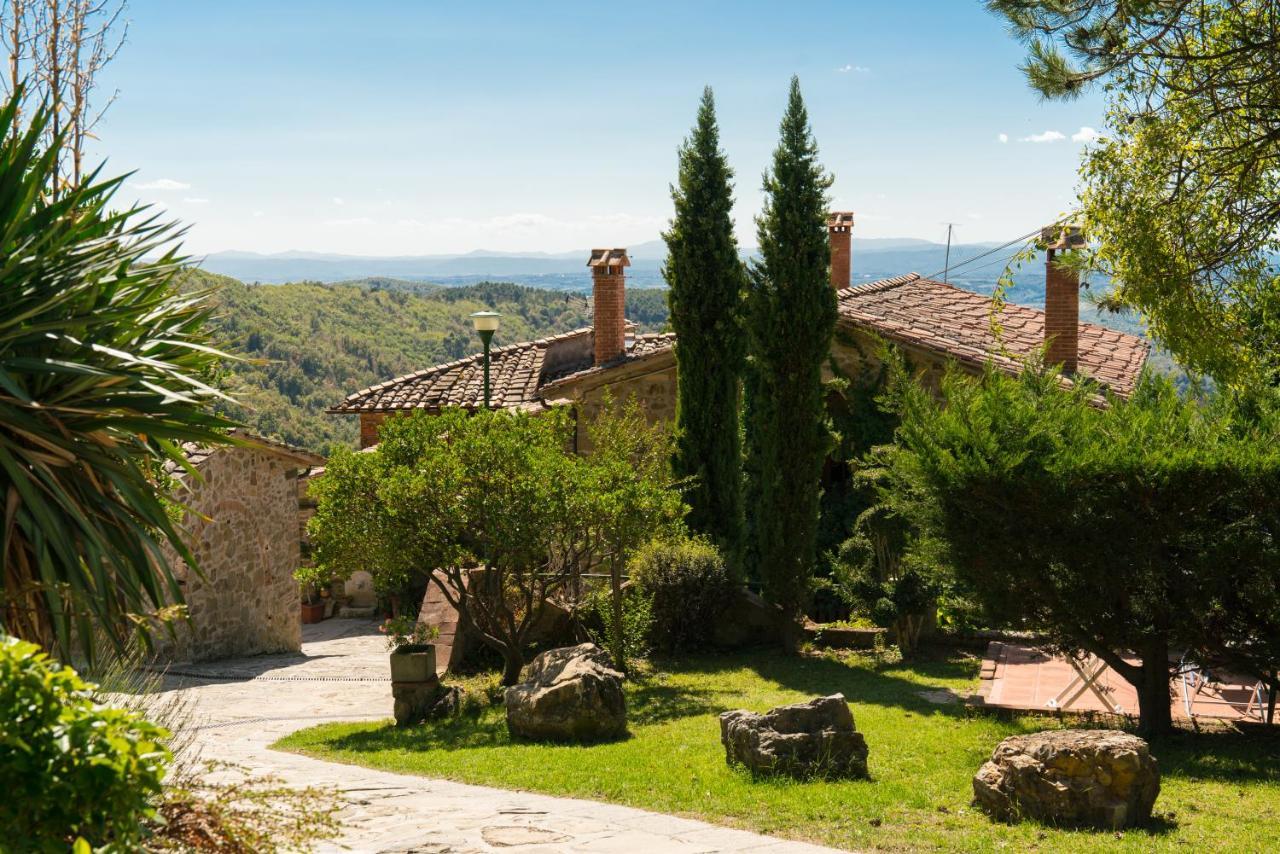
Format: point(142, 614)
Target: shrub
point(69, 767)
point(688, 583)
point(884, 571)
point(596, 617)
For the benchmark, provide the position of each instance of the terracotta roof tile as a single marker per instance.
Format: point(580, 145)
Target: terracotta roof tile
point(914, 310)
point(514, 375)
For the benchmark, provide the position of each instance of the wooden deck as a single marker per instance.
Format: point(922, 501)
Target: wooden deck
point(1023, 677)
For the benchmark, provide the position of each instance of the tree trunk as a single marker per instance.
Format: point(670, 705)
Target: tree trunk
point(617, 632)
point(511, 667)
point(790, 631)
point(1155, 715)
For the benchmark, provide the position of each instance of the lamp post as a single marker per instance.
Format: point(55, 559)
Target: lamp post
point(486, 323)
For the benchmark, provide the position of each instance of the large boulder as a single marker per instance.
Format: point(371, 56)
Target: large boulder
point(1076, 778)
point(813, 739)
point(568, 694)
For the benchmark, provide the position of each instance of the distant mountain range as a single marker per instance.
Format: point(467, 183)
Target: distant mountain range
point(873, 258)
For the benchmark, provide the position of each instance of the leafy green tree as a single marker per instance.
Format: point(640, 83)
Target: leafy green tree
point(791, 314)
point(706, 280)
point(630, 492)
point(1181, 194)
point(103, 377)
point(494, 509)
point(1140, 527)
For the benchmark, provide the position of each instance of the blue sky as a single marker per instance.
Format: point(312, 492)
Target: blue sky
point(406, 127)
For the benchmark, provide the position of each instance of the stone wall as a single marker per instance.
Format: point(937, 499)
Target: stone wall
point(654, 389)
point(242, 527)
point(856, 353)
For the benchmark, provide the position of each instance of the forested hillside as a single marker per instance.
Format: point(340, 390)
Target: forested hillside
point(306, 345)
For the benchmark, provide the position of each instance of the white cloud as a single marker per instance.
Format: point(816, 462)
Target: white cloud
point(196, 201)
point(859, 69)
point(337, 200)
point(974, 215)
point(163, 184)
point(1004, 137)
point(1085, 134)
point(259, 213)
point(354, 222)
point(1047, 136)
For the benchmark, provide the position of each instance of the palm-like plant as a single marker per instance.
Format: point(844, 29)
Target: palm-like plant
point(101, 367)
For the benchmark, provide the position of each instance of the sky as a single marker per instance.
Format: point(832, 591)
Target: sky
point(414, 128)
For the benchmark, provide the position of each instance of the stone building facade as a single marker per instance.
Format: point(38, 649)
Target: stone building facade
point(241, 525)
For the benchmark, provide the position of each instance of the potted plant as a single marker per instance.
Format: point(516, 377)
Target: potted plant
point(312, 582)
point(413, 656)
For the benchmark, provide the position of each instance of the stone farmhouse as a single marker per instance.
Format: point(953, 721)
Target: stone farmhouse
point(934, 323)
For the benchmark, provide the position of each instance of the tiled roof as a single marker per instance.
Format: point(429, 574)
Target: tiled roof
point(914, 310)
point(515, 372)
point(907, 309)
point(641, 348)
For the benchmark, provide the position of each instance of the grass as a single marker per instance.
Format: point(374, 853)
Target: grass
point(1221, 791)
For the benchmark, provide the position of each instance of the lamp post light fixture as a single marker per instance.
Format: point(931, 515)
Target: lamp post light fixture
point(486, 323)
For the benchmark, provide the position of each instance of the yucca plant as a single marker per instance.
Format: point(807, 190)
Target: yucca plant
point(103, 368)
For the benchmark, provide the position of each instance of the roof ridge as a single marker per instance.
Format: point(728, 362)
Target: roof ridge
point(878, 285)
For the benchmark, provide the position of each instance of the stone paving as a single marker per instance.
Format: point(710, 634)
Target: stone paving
point(242, 706)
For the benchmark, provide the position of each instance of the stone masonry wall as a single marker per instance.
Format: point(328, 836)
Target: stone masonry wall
point(655, 391)
point(248, 547)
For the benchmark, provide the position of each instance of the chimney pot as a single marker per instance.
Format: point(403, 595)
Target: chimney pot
point(1061, 297)
point(840, 230)
point(608, 285)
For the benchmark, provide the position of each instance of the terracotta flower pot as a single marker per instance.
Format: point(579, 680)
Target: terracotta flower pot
point(413, 662)
point(312, 613)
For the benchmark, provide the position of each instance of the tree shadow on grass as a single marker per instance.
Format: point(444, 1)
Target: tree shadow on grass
point(650, 701)
point(868, 683)
point(1227, 756)
point(465, 732)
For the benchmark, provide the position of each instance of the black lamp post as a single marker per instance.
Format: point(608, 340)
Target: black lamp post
point(486, 323)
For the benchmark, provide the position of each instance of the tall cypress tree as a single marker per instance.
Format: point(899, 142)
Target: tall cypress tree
point(706, 280)
point(791, 315)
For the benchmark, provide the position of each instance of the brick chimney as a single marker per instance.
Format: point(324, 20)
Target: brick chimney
point(840, 227)
point(609, 288)
point(1061, 297)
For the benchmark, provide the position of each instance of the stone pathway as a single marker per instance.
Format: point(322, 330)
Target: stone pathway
point(242, 706)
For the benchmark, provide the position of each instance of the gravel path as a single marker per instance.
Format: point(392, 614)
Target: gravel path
point(242, 706)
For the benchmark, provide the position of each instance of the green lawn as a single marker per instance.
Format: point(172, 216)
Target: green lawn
point(1221, 791)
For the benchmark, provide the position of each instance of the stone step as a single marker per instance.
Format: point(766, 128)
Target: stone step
point(354, 612)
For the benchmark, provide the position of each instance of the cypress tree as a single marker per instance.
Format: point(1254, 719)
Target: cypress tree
point(790, 317)
point(706, 280)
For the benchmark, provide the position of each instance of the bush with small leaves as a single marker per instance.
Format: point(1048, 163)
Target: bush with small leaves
point(688, 583)
point(70, 769)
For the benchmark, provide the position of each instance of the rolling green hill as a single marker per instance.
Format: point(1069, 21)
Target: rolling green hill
point(308, 345)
